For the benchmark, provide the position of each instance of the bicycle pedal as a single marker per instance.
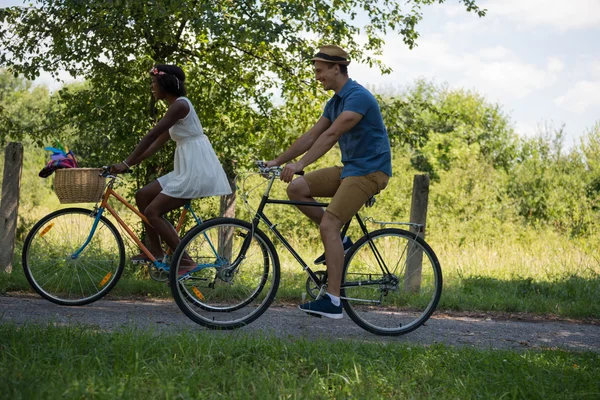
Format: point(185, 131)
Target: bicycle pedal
point(138, 262)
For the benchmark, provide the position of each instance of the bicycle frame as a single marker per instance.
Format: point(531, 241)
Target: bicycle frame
point(104, 205)
point(390, 280)
point(259, 215)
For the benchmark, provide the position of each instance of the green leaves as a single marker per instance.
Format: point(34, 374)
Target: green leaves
point(25, 111)
point(246, 61)
point(440, 125)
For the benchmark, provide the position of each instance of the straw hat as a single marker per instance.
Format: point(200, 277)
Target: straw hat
point(332, 54)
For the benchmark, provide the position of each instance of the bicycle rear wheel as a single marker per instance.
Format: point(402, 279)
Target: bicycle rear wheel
point(236, 277)
point(57, 273)
point(391, 283)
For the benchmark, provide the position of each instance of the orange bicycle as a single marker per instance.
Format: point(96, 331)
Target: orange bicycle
point(75, 256)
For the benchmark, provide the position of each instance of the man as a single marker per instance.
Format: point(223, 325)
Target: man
point(352, 118)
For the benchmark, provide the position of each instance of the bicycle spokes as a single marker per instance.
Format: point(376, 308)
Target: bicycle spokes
point(234, 281)
point(66, 264)
point(394, 289)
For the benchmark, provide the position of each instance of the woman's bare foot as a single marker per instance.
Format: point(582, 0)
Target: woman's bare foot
point(143, 258)
point(186, 264)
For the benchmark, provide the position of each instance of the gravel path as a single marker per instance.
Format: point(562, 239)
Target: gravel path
point(289, 322)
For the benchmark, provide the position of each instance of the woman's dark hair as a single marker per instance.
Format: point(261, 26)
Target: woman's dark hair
point(171, 78)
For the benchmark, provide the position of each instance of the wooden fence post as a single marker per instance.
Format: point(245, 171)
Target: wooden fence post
point(418, 215)
point(227, 209)
point(9, 203)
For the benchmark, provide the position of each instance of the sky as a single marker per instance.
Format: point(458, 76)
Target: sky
point(538, 59)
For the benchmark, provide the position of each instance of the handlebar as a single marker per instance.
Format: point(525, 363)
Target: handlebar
point(264, 170)
point(106, 172)
point(276, 171)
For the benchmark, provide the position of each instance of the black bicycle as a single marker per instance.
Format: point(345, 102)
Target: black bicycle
point(391, 284)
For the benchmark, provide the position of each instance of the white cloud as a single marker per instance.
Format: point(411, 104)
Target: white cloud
point(451, 9)
point(497, 71)
point(580, 67)
point(595, 67)
point(496, 53)
point(525, 129)
point(508, 79)
point(581, 97)
point(555, 64)
point(559, 14)
point(467, 25)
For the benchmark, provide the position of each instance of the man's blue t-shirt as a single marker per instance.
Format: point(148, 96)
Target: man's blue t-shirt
point(366, 147)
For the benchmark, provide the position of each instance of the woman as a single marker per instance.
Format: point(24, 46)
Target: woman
point(197, 172)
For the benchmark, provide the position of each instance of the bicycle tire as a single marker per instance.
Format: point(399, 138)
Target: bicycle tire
point(57, 276)
point(396, 303)
point(215, 295)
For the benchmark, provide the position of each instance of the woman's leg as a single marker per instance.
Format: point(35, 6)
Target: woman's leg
point(143, 198)
point(155, 211)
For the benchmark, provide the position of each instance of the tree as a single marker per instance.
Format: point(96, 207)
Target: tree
point(25, 111)
point(440, 126)
point(246, 61)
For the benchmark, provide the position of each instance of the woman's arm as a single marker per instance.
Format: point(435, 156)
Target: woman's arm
point(176, 111)
point(154, 147)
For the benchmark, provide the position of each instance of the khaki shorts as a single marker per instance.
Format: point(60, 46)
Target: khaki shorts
point(348, 194)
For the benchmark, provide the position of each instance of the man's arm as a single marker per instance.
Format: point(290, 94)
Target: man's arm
point(343, 123)
point(303, 143)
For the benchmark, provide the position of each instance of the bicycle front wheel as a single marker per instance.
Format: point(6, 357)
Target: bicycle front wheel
point(392, 282)
point(236, 277)
point(61, 268)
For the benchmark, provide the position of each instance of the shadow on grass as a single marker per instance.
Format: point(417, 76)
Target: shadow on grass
point(135, 281)
point(567, 296)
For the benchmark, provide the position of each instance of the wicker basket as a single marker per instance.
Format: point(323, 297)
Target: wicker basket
point(79, 185)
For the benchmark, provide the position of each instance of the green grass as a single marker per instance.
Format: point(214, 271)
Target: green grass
point(537, 272)
point(541, 274)
point(71, 362)
point(568, 296)
point(490, 262)
point(529, 271)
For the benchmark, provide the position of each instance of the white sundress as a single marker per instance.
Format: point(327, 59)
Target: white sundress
point(198, 172)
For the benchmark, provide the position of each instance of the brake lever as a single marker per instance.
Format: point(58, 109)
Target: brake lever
point(263, 169)
point(106, 172)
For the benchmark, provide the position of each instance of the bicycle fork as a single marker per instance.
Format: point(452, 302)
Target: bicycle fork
point(75, 255)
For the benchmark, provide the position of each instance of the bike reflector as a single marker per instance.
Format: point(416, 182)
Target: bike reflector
point(46, 229)
point(197, 293)
point(106, 278)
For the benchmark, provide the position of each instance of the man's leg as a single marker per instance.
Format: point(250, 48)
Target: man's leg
point(320, 183)
point(330, 305)
point(351, 195)
point(330, 228)
point(298, 190)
